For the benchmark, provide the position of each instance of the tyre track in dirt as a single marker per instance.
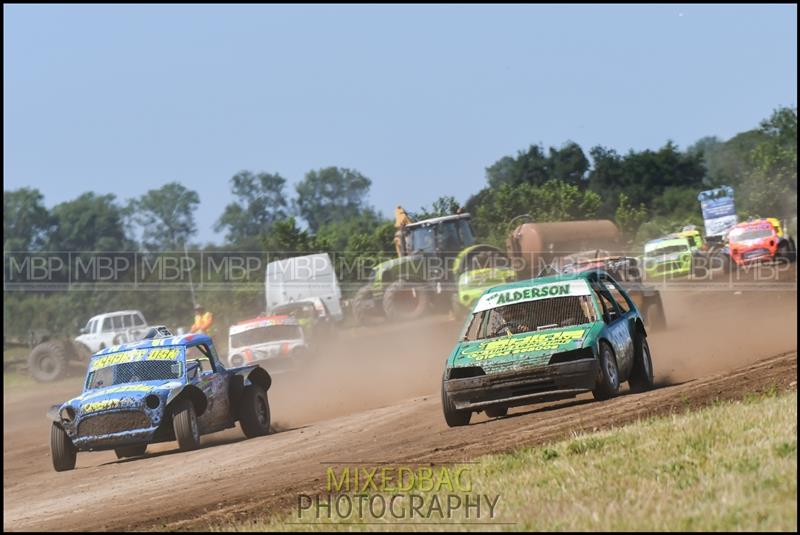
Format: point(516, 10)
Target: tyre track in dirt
point(355, 409)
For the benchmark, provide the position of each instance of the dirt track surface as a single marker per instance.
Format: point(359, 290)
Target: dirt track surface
point(375, 399)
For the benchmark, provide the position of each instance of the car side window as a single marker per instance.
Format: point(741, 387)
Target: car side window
point(117, 322)
point(107, 327)
point(127, 321)
point(138, 320)
point(610, 309)
point(618, 298)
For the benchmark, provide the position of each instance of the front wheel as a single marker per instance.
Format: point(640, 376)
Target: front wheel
point(608, 379)
point(184, 423)
point(254, 414)
point(642, 375)
point(130, 451)
point(62, 450)
point(454, 417)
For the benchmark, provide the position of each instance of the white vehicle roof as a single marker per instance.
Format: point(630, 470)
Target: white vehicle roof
point(117, 313)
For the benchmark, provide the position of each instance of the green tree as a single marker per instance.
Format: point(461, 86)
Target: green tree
point(260, 203)
point(331, 194)
point(89, 223)
point(771, 186)
point(444, 205)
point(530, 166)
point(494, 208)
point(25, 220)
point(568, 164)
point(166, 216)
point(629, 218)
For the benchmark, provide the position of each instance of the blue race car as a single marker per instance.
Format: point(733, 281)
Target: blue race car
point(157, 390)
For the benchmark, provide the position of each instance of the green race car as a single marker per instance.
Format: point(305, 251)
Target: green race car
point(668, 257)
point(543, 339)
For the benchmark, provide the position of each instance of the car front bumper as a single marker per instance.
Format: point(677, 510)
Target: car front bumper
point(524, 385)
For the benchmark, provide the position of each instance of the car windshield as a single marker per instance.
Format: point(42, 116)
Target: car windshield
point(669, 249)
point(750, 234)
point(134, 372)
point(263, 335)
point(530, 316)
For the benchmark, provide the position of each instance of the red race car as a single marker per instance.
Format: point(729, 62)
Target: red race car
point(758, 240)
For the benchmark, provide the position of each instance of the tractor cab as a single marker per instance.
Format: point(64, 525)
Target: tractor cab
point(438, 235)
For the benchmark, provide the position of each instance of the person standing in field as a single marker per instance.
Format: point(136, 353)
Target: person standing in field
point(202, 320)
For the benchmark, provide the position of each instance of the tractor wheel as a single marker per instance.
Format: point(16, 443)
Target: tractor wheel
point(48, 361)
point(62, 450)
point(363, 305)
point(254, 412)
point(405, 301)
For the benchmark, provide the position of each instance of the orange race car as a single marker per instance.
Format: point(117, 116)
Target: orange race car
point(759, 240)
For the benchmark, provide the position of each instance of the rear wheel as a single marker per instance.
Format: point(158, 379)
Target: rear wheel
point(62, 450)
point(130, 451)
point(454, 417)
point(608, 379)
point(642, 375)
point(405, 301)
point(496, 412)
point(254, 414)
point(184, 423)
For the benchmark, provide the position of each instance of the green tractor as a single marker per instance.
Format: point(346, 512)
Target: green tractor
point(439, 267)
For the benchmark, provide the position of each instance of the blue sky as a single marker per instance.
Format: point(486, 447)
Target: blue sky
point(421, 99)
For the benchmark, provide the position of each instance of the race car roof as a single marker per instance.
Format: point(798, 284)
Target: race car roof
point(533, 289)
point(190, 339)
point(262, 321)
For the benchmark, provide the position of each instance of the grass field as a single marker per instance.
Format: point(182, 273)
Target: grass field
point(730, 466)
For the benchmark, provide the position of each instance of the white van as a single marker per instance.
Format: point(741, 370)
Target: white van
point(302, 278)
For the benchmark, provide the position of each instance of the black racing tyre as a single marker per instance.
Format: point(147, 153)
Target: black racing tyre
point(454, 417)
point(405, 301)
point(785, 252)
point(608, 379)
point(130, 451)
point(62, 450)
point(184, 423)
point(48, 361)
point(654, 317)
point(641, 378)
point(496, 412)
point(254, 414)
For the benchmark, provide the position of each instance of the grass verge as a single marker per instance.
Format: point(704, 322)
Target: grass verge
point(729, 466)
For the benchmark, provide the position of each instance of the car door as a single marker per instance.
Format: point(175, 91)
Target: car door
point(617, 326)
point(210, 377)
